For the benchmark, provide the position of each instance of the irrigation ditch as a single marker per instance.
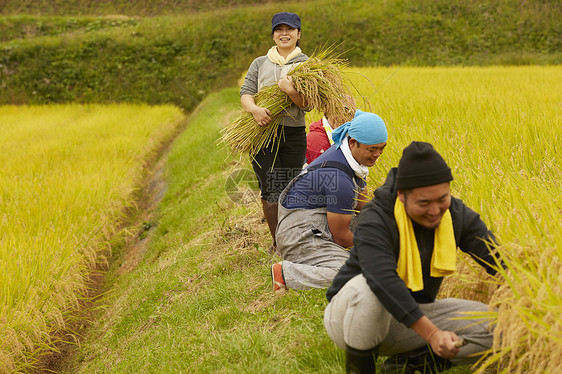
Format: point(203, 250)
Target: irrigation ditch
point(127, 248)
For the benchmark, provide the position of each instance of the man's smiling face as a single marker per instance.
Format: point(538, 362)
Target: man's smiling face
point(426, 205)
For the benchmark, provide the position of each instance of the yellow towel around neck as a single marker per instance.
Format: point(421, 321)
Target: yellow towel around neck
point(443, 260)
point(274, 56)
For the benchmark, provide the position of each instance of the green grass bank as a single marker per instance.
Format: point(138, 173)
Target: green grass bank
point(200, 299)
point(156, 52)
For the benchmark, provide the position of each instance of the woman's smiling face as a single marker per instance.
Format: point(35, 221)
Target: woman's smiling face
point(286, 37)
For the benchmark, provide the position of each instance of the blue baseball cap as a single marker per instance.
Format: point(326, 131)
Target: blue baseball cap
point(286, 18)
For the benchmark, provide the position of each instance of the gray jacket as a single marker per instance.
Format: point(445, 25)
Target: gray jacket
point(261, 73)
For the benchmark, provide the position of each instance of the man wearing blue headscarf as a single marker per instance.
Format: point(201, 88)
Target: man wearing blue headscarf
point(317, 207)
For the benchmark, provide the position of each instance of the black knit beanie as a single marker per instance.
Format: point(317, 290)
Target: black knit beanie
point(421, 166)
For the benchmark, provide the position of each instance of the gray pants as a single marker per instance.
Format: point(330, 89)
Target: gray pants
point(355, 317)
point(311, 259)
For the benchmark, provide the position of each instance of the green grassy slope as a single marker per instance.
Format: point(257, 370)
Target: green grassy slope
point(200, 301)
point(144, 8)
point(182, 57)
point(20, 27)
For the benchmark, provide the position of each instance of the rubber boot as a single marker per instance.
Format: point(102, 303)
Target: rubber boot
point(422, 360)
point(359, 362)
point(270, 212)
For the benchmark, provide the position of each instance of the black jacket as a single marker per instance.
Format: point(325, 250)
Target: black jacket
point(376, 247)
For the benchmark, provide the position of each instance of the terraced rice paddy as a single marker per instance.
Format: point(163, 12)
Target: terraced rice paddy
point(67, 174)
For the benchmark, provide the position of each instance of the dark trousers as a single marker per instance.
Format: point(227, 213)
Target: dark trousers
point(275, 167)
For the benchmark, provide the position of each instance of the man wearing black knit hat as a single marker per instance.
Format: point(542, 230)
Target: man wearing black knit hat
point(383, 300)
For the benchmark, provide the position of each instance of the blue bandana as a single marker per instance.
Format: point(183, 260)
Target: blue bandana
point(366, 128)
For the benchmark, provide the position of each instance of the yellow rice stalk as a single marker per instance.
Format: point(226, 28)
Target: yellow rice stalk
point(528, 334)
point(499, 130)
point(470, 282)
point(244, 135)
point(319, 80)
point(68, 172)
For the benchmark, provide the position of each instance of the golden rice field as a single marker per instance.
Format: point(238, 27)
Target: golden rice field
point(69, 171)
point(67, 174)
point(500, 129)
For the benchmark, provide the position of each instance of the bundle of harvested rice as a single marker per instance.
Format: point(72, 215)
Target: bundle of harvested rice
point(321, 83)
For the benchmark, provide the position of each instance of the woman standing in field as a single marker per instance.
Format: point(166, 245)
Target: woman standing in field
point(275, 167)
